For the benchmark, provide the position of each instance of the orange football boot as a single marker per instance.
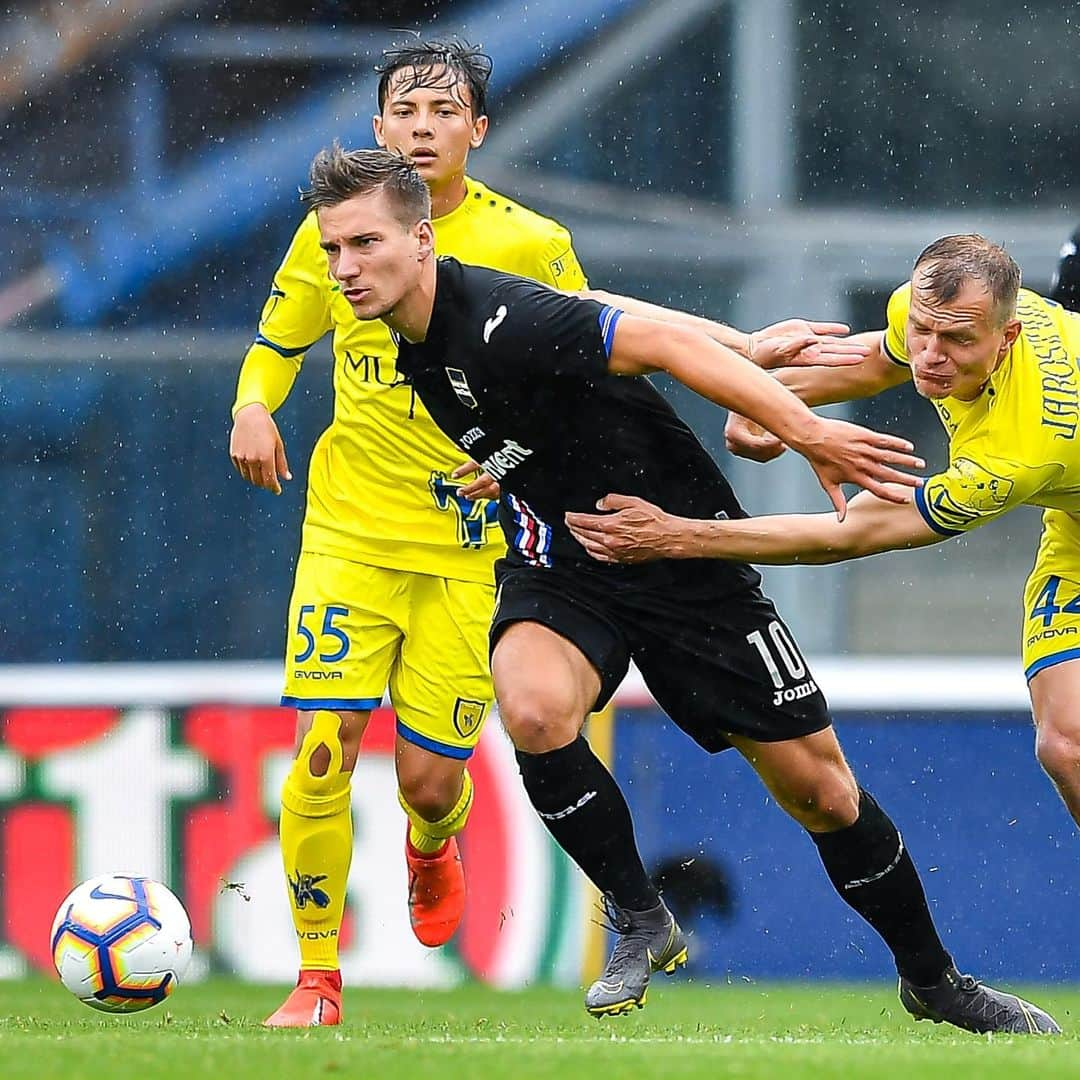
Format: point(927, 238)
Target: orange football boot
point(315, 1002)
point(436, 892)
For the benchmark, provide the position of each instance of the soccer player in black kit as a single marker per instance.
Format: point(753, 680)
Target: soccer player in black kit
point(538, 388)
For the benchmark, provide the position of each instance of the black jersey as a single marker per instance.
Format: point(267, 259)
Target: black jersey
point(517, 375)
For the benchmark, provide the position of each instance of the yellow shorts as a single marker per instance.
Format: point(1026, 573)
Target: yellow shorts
point(1052, 596)
point(356, 630)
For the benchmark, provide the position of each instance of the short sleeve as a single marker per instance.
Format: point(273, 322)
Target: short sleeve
point(561, 266)
point(529, 327)
point(973, 492)
point(895, 333)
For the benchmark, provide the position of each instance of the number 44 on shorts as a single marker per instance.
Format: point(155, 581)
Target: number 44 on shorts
point(1046, 605)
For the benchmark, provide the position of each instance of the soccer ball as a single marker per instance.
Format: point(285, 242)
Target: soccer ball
point(120, 943)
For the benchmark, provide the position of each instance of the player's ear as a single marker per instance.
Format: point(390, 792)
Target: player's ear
point(376, 126)
point(1012, 332)
point(425, 235)
point(479, 132)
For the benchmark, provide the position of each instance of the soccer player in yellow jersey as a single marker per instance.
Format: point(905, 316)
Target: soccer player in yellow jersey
point(1001, 365)
point(393, 585)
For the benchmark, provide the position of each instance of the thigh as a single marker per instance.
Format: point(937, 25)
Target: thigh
point(344, 633)
point(571, 610)
point(726, 665)
point(1055, 700)
point(440, 684)
point(1052, 597)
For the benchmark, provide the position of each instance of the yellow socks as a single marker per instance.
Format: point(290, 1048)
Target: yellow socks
point(316, 842)
point(427, 837)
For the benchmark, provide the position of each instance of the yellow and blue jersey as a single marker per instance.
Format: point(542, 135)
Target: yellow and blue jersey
point(1017, 442)
point(379, 488)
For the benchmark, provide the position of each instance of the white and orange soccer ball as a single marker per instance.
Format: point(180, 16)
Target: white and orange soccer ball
point(121, 943)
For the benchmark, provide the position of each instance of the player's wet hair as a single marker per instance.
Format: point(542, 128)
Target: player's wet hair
point(950, 262)
point(337, 174)
point(438, 65)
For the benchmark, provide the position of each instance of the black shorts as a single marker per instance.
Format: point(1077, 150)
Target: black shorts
point(715, 663)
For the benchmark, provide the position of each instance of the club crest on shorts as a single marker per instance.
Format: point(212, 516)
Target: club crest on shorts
point(468, 716)
point(460, 386)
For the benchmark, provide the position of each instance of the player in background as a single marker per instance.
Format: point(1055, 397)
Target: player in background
point(998, 363)
point(393, 585)
point(539, 387)
point(1065, 288)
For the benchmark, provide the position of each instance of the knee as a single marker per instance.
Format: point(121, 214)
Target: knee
point(1058, 752)
point(431, 796)
point(537, 721)
point(328, 741)
point(824, 804)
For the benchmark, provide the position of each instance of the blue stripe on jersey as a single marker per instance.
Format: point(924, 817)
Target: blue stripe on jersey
point(425, 742)
point(533, 537)
point(280, 349)
point(1049, 661)
point(924, 509)
point(609, 319)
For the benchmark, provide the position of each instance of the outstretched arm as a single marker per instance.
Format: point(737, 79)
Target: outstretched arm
point(820, 386)
point(791, 342)
point(837, 451)
point(634, 531)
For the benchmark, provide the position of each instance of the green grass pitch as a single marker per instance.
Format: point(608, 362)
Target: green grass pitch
point(212, 1030)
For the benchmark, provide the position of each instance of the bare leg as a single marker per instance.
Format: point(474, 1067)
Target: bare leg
point(1055, 701)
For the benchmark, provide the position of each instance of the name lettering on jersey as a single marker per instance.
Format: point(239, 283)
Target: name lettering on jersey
point(1060, 393)
point(494, 322)
point(471, 436)
point(368, 369)
point(460, 386)
point(502, 461)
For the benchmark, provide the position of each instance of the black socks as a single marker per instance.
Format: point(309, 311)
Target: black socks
point(584, 810)
point(873, 873)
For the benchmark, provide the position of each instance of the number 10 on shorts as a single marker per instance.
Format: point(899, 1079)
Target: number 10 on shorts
point(780, 648)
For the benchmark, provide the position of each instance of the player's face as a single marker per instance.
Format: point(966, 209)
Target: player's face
point(432, 124)
point(954, 347)
point(376, 260)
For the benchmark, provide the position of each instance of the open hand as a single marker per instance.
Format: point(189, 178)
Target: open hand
point(847, 453)
point(636, 531)
point(801, 343)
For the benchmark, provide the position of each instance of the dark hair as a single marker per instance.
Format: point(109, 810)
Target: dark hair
point(337, 175)
point(947, 264)
point(438, 65)
point(1065, 288)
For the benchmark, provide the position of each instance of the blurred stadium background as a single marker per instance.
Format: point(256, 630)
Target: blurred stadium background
point(750, 159)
